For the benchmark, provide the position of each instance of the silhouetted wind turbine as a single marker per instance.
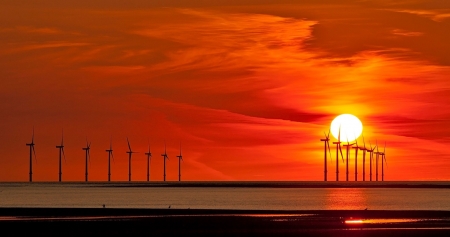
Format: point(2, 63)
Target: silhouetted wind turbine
point(180, 158)
point(376, 162)
point(338, 148)
point(110, 155)
point(356, 159)
point(371, 158)
point(165, 157)
point(61, 152)
point(129, 159)
point(149, 155)
point(383, 159)
point(364, 149)
point(348, 146)
point(32, 151)
point(88, 157)
point(326, 144)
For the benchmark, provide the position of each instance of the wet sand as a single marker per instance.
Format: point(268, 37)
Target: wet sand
point(190, 222)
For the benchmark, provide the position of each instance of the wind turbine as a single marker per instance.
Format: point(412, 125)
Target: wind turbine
point(165, 157)
point(371, 158)
point(348, 146)
point(364, 149)
point(356, 159)
point(110, 155)
point(338, 148)
point(32, 151)
point(149, 155)
point(376, 162)
point(326, 144)
point(88, 157)
point(180, 158)
point(61, 152)
point(129, 160)
point(383, 159)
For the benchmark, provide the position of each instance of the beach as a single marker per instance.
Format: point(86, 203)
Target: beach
point(189, 222)
point(225, 208)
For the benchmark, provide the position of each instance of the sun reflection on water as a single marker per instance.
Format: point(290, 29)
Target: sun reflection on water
point(345, 199)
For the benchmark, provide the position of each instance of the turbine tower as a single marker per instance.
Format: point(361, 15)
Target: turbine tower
point(32, 151)
point(326, 141)
point(338, 148)
point(356, 159)
point(129, 160)
point(61, 152)
point(348, 146)
point(371, 150)
point(149, 155)
point(364, 149)
point(180, 158)
point(165, 157)
point(383, 159)
point(110, 155)
point(88, 157)
point(376, 162)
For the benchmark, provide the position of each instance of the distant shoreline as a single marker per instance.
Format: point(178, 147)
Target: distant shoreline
point(245, 184)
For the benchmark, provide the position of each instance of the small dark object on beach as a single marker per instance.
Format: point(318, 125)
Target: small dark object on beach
point(104, 205)
point(169, 206)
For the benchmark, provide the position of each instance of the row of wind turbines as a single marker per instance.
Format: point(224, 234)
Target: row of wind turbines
point(110, 156)
point(349, 146)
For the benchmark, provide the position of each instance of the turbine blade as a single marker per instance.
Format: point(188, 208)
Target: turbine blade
point(356, 141)
point(34, 152)
point(64, 155)
point(329, 150)
point(339, 133)
point(364, 142)
point(129, 147)
point(342, 156)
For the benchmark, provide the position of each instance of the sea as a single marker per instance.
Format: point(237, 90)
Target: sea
point(235, 197)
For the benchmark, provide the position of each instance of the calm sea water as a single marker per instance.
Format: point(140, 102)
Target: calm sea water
point(78, 195)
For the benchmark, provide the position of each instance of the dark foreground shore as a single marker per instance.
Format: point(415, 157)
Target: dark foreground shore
point(189, 222)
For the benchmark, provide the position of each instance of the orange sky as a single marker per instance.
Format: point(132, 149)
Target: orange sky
point(248, 87)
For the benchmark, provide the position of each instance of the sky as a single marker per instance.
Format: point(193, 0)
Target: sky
point(247, 87)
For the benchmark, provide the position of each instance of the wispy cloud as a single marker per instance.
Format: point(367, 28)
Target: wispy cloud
point(435, 15)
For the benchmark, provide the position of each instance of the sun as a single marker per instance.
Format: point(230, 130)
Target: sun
point(349, 125)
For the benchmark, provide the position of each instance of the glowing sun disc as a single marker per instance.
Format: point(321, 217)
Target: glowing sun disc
point(350, 126)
